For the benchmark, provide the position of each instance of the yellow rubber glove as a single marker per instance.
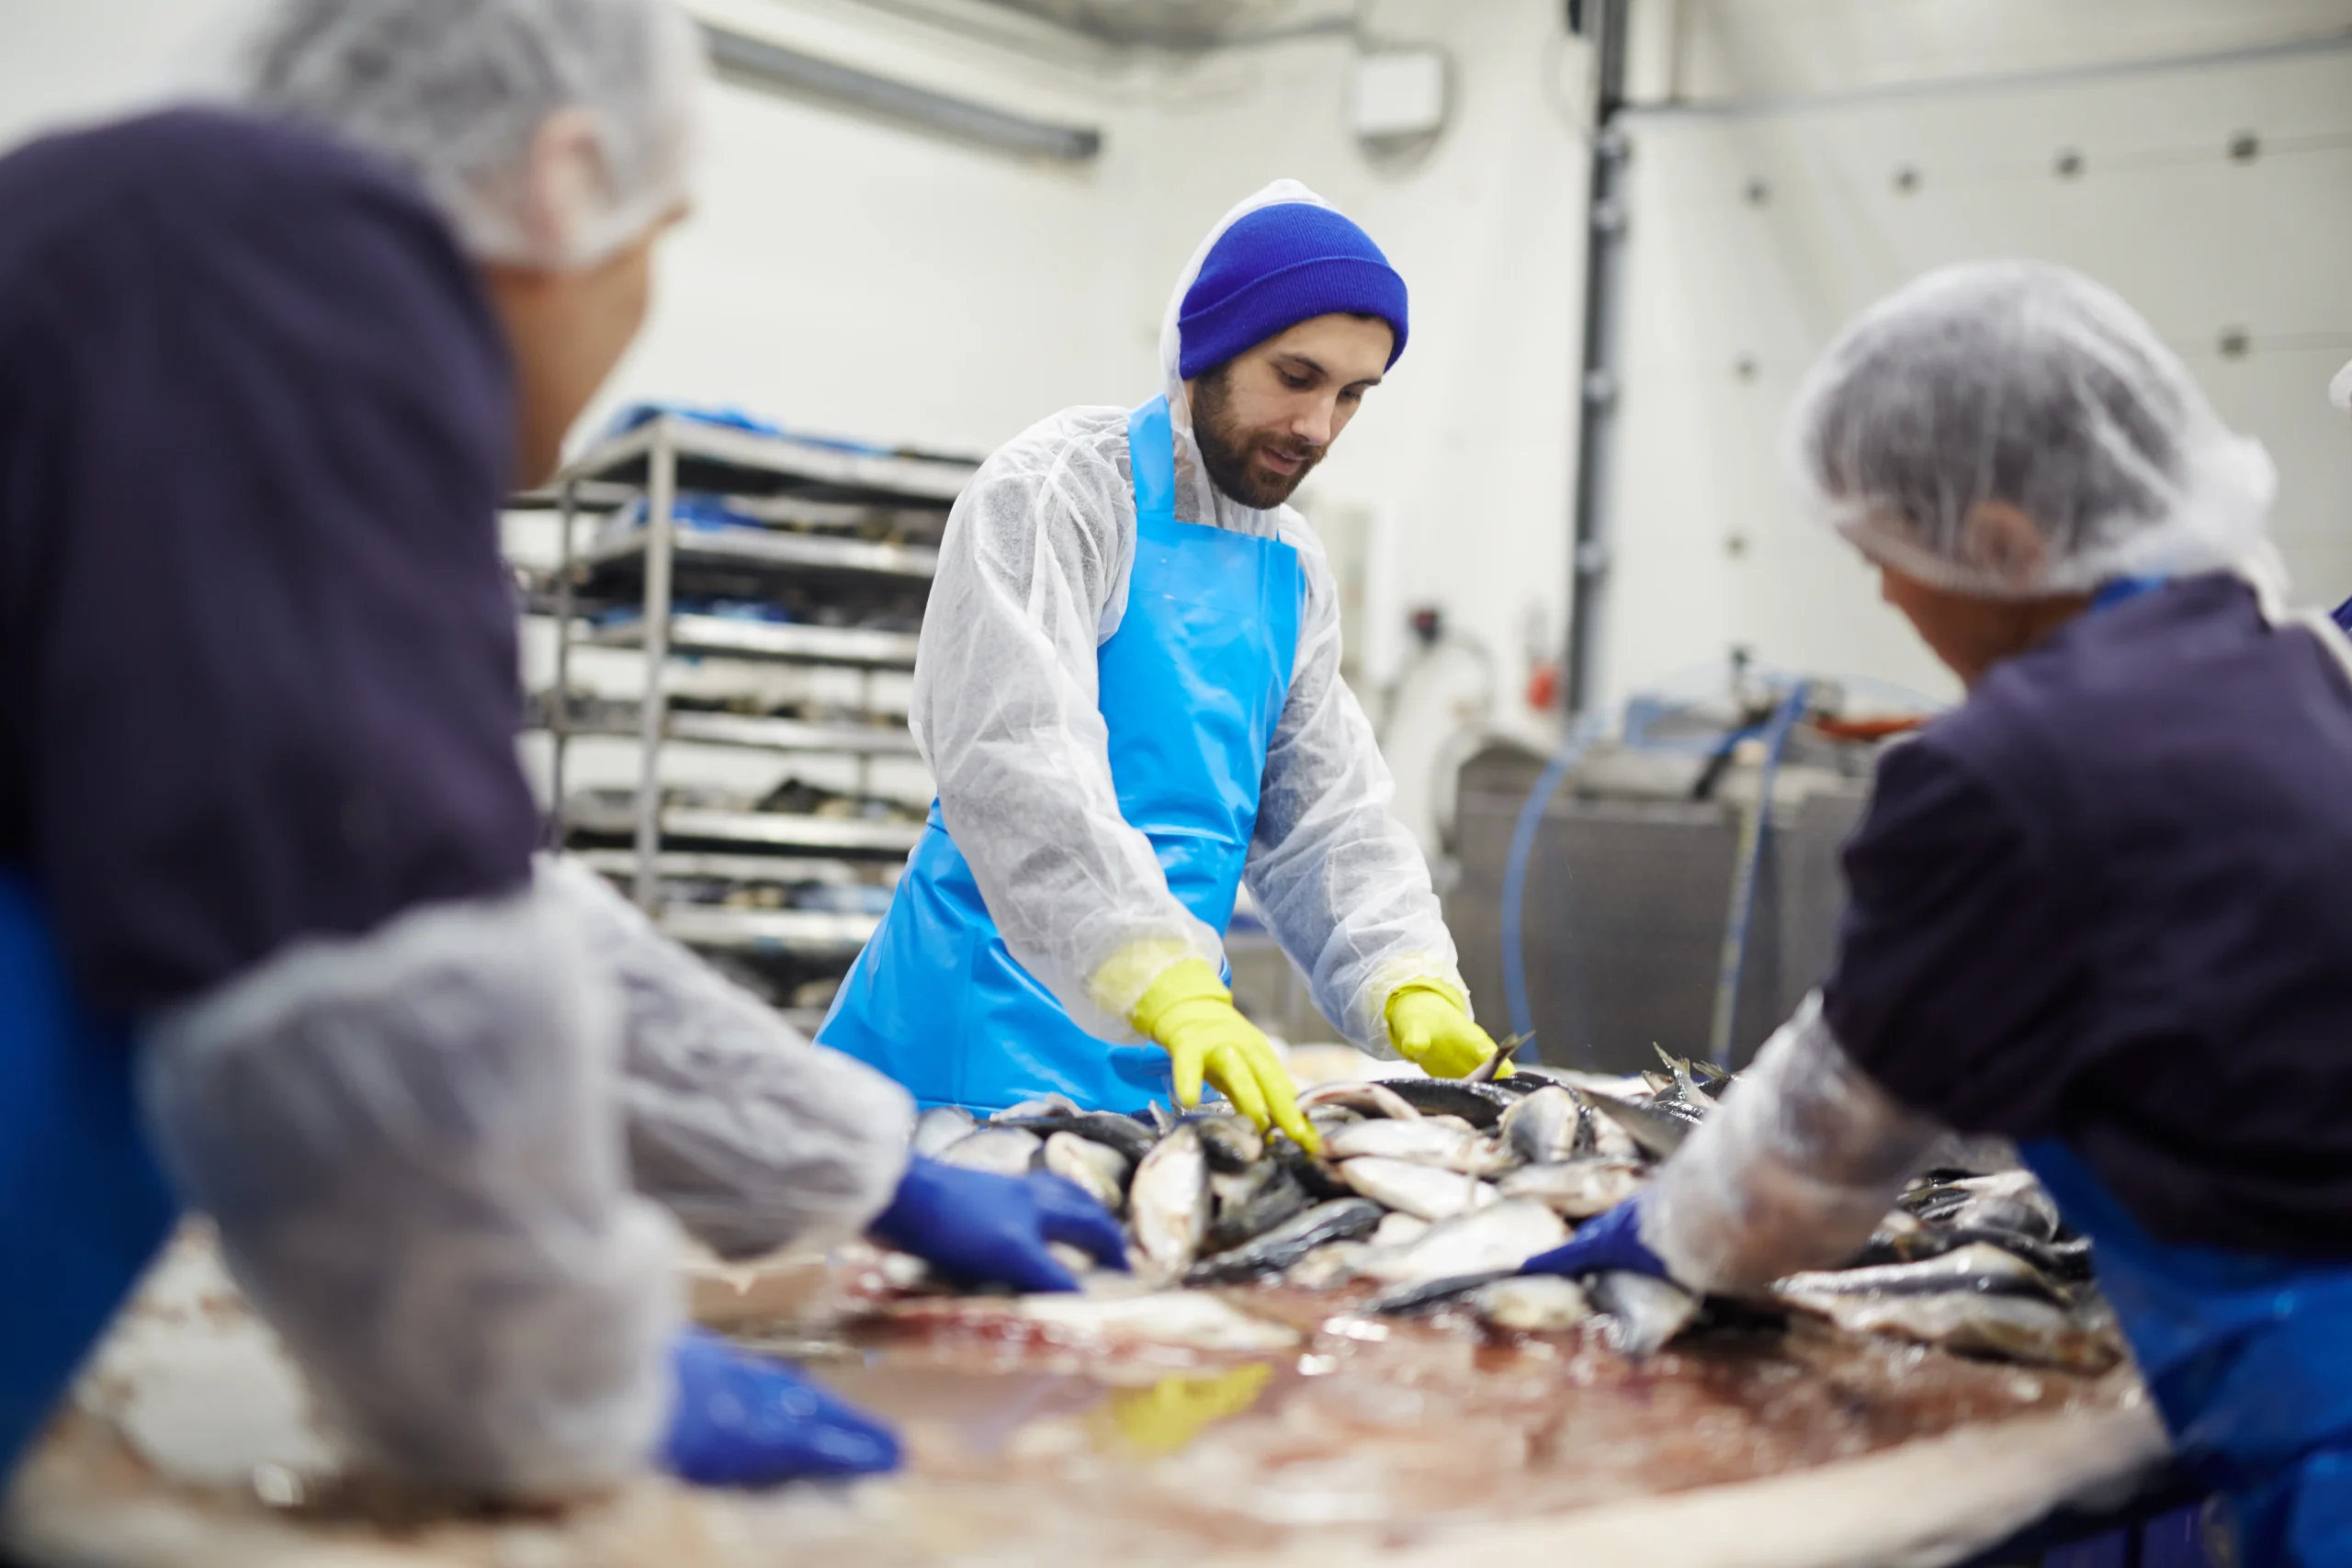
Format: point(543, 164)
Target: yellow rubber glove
point(1431, 1028)
point(1191, 1015)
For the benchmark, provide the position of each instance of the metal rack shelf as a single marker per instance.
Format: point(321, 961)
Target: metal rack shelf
point(780, 830)
point(828, 472)
point(784, 641)
point(751, 732)
point(804, 933)
point(841, 493)
point(774, 551)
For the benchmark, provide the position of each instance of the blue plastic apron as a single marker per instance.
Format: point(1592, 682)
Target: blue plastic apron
point(1191, 686)
point(2249, 1359)
point(82, 1207)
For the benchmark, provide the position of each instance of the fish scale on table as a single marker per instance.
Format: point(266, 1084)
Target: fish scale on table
point(1432, 1192)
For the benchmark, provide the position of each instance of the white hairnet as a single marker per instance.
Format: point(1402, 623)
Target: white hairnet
point(1793, 1170)
point(1032, 580)
point(411, 1142)
point(455, 92)
point(2029, 385)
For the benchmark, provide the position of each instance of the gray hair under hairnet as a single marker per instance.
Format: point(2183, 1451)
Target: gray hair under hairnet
point(2027, 385)
point(457, 92)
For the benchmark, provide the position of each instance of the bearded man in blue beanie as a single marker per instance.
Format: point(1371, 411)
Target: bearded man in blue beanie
point(1129, 692)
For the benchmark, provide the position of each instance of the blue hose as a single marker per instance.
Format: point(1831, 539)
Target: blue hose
point(1522, 845)
point(1743, 886)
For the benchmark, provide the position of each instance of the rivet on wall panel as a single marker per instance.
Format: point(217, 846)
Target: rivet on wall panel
point(1758, 192)
point(2235, 342)
point(1745, 367)
point(2067, 164)
point(2245, 147)
point(1907, 179)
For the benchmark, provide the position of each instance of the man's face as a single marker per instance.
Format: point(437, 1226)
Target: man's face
point(1266, 416)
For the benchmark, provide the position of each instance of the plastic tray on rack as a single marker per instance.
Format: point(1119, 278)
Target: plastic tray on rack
point(780, 830)
point(804, 933)
point(791, 642)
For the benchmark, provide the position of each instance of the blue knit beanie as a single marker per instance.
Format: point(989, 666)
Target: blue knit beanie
point(1276, 268)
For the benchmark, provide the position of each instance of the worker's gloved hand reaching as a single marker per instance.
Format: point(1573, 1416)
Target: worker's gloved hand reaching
point(742, 1420)
point(979, 1226)
point(1431, 1026)
point(1189, 1012)
point(1610, 1243)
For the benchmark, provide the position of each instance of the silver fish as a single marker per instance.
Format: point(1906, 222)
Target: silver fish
point(1643, 1313)
point(1097, 1169)
point(1418, 1143)
point(1658, 1131)
point(1168, 1202)
point(1186, 1318)
point(2018, 1328)
point(940, 1128)
point(1043, 1105)
point(1371, 1099)
point(1333, 1263)
point(1003, 1151)
point(1490, 1241)
point(1685, 1084)
point(1533, 1303)
point(1399, 1229)
point(1577, 1190)
point(1544, 1127)
point(1505, 1049)
point(1342, 1218)
point(1418, 1189)
point(1251, 1202)
point(1231, 1142)
point(1978, 1269)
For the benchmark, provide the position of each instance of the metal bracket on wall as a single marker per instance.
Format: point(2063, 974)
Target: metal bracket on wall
point(772, 67)
point(1597, 409)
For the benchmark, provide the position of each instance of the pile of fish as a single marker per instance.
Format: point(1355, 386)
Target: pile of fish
point(1432, 1192)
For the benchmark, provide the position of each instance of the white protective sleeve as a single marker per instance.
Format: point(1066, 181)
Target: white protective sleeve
point(1793, 1170)
point(751, 1135)
point(1032, 580)
point(411, 1142)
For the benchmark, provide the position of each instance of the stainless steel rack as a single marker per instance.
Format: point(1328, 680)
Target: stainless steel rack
point(844, 528)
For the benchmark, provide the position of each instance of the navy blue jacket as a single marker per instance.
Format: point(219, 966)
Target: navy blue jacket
point(257, 665)
point(2110, 901)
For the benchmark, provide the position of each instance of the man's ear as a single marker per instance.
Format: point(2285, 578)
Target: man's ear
point(2003, 540)
point(568, 186)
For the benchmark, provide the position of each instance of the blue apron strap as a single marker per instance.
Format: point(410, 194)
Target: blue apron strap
point(1151, 459)
point(83, 1206)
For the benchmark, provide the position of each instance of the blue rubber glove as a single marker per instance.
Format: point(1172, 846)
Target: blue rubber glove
point(1611, 1241)
point(740, 1420)
point(973, 1225)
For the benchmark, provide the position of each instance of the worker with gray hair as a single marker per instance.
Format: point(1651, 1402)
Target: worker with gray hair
point(273, 941)
point(2100, 909)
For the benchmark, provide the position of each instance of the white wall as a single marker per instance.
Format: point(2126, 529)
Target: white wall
point(1710, 552)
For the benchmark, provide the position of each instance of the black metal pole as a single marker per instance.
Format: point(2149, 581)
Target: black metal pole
point(1597, 386)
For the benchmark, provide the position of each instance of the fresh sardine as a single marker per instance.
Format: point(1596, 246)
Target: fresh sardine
point(941, 1128)
point(1343, 1219)
point(1043, 1105)
point(1492, 1240)
point(1399, 1229)
point(1427, 1142)
point(1251, 1202)
point(1333, 1263)
point(1124, 1133)
point(1977, 1270)
point(1230, 1142)
point(1481, 1105)
point(1657, 1129)
point(1002, 1151)
point(1168, 1202)
point(1414, 1295)
point(1182, 1318)
point(1545, 1127)
point(1576, 1190)
point(2021, 1328)
point(1533, 1303)
point(1098, 1169)
point(1643, 1313)
point(1419, 1190)
point(1371, 1099)
point(1505, 1049)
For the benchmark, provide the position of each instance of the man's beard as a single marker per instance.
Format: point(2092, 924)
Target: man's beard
point(1226, 448)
